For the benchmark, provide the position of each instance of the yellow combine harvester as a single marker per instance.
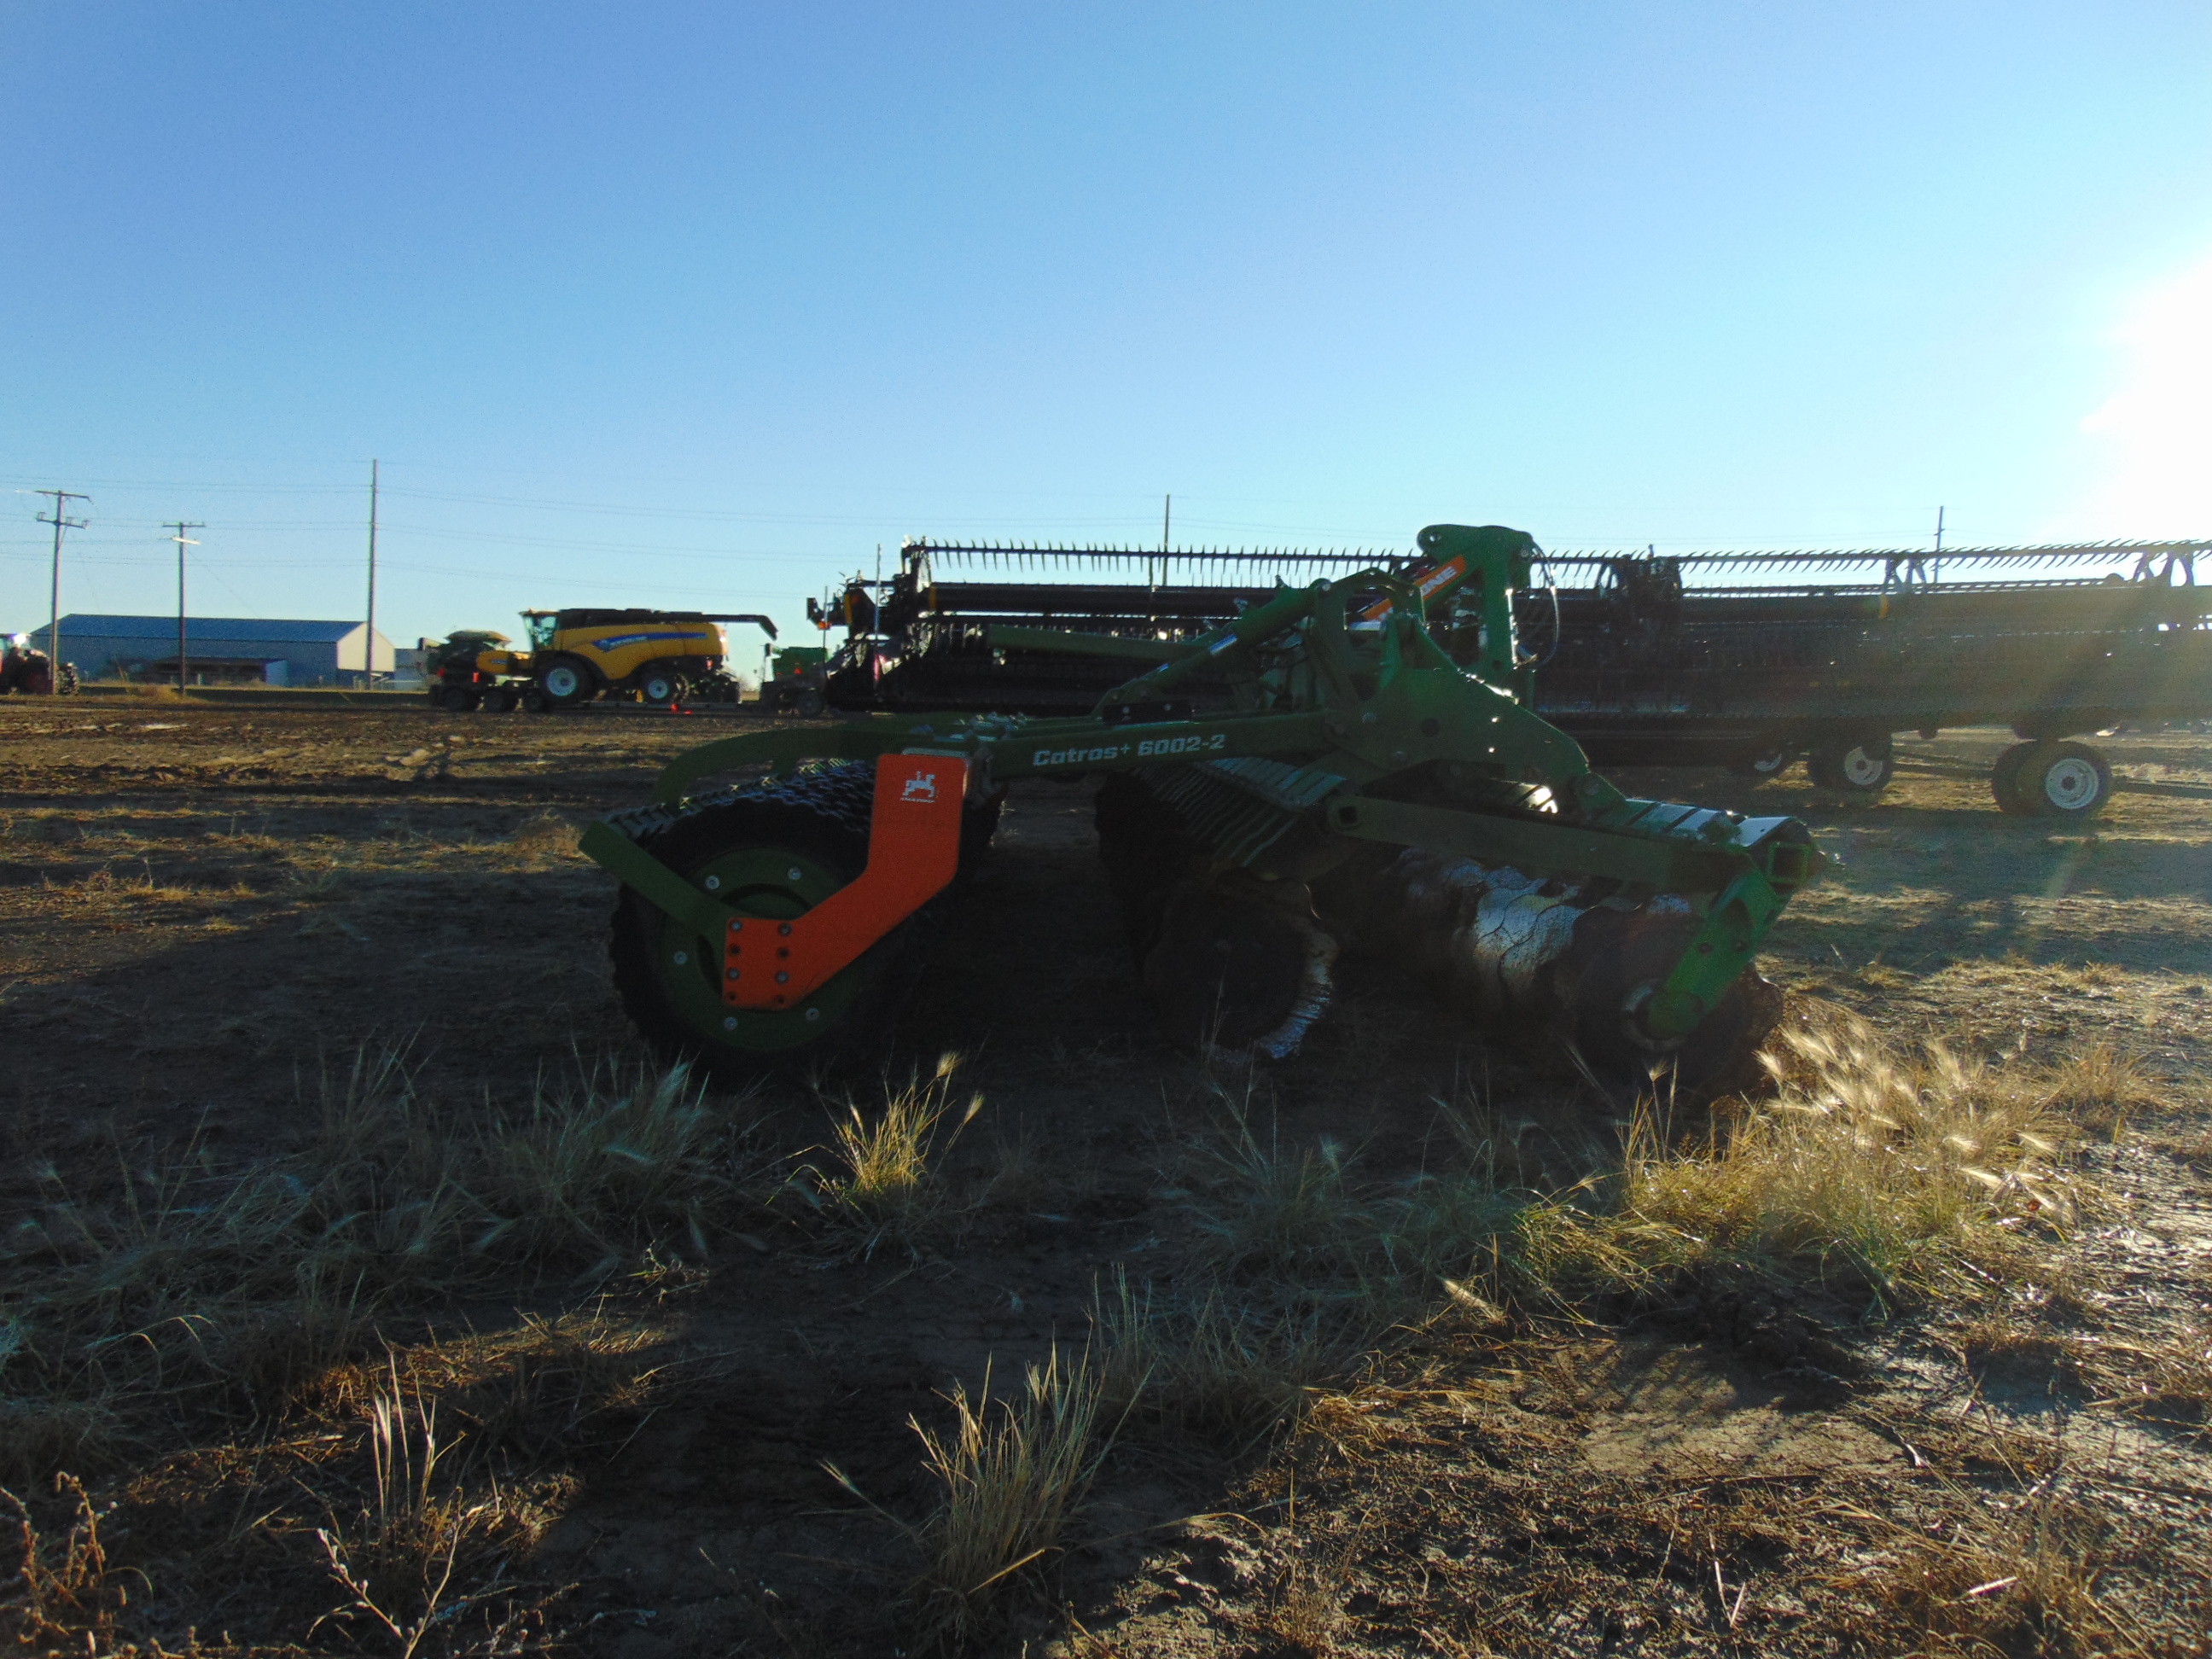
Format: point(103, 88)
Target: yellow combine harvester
point(661, 656)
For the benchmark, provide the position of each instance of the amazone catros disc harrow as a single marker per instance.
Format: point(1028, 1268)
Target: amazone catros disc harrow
point(1315, 775)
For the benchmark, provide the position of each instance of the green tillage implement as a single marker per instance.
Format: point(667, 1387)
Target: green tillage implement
point(1316, 774)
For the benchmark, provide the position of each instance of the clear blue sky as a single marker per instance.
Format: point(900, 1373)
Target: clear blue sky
point(691, 303)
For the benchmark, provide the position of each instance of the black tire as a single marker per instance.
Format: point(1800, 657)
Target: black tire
point(471, 700)
point(1860, 765)
point(2004, 780)
point(564, 681)
point(1767, 762)
point(533, 702)
point(449, 697)
point(2066, 781)
point(504, 701)
point(810, 702)
point(660, 683)
point(750, 840)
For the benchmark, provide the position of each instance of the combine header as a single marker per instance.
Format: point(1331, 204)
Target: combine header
point(1760, 658)
point(1317, 774)
point(1753, 659)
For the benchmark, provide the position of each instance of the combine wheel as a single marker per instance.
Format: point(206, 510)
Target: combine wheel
point(1860, 765)
point(562, 681)
point(660, 683)
point(772, 852)
point(2069, 780)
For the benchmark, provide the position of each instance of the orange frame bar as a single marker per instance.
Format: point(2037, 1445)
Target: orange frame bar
point(914, 853)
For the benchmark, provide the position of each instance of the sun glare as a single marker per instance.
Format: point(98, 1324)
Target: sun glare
point(2160, 423)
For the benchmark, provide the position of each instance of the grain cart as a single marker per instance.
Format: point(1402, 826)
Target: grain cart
point(1315, 775)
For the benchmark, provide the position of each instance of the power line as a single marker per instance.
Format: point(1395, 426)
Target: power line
point(61, 521)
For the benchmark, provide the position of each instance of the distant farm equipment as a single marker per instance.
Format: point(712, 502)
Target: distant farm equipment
point(578, 655)
point(29, 671)
point(798, 680)
point(1644, 659)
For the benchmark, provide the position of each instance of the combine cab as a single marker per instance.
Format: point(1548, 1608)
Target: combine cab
point(1317, 774)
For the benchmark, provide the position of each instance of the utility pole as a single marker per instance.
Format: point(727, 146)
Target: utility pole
point(369, 646)
point(61, 521)
point(1938, 544)
point(1167, 517)
point(183, 541)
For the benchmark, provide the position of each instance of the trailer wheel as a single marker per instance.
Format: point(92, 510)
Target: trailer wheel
point(1859, 766)
point(564, 682)
point(505, 700)
point(1764, 762)
point(2068, 781)
point(660, 683)
point(2004, 780)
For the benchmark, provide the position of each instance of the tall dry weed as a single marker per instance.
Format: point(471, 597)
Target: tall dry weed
point(1874, 1172)
point(1014, 1476)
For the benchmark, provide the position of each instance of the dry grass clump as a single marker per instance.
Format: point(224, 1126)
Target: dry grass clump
point(2101, 1088)
point(1013, 1481)
point(398, 1555)
point(1870, 1173)
point(889, 1187)
point(543, 838)
point(1871, 1178)
point(517, 1394)
point(1999, 1580)
point(185, 1287)
point(1218, 1369)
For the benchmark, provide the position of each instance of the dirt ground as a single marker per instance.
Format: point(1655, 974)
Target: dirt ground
point(205, 912)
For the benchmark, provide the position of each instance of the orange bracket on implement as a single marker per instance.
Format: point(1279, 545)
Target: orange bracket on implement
point(914, 852)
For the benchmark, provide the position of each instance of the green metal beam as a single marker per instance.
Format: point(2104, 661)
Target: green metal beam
point(1541, 849)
